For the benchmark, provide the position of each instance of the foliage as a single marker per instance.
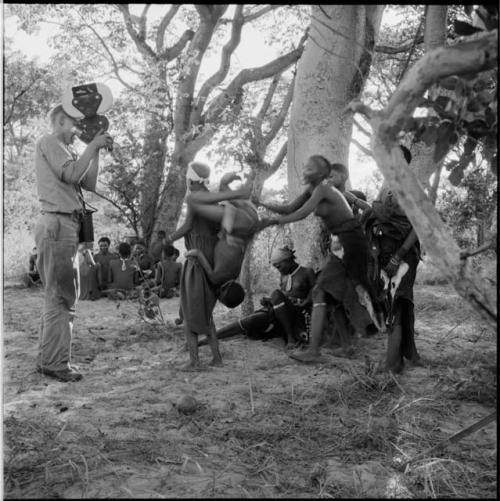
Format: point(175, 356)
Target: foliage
point(398, 47)
point(469, 208)
point(28, 89)
point(466, 119)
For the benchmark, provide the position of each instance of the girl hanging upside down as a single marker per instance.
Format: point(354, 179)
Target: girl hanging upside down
point(239, 220)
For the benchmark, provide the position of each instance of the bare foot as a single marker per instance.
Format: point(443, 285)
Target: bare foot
point(417, 362)
point(307, 357)
point(216, 362)
point(343, 352)
point(395, 369)
point(192, 366)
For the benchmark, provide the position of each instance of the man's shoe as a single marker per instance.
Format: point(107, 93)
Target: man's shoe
point(64, 375)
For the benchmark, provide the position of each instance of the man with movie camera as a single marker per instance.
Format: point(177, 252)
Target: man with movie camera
point(60, 177)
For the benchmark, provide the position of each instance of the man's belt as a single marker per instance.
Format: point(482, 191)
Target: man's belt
point(76, 213)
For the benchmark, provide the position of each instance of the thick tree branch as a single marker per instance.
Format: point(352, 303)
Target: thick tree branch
point(280, 118)
point(247, 75)
point(404, 47)
point(166, 20)
point(140, 43)
point(361, 128)
point(468, 57)
point(269, 96)
point(203, 10)
point(223, 70)
point(189, 74)
point(260, 13)
point(278, 160)
point(253, 15)
point(172, 52)
point(362, 148)
point(142, 21)
point(359, 107)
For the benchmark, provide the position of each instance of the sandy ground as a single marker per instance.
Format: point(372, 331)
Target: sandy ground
point(265, 426)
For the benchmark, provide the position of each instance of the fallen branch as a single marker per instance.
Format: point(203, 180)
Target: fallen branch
point(453, 439)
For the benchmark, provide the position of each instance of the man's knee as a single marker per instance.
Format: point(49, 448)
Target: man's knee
point(277, 297)
point(256, 322)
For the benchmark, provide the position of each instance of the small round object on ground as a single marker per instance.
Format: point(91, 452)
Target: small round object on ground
point(187, 404)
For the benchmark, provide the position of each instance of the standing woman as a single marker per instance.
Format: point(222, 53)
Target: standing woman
point(198, 295)
point(342, 283)
point(397, 250)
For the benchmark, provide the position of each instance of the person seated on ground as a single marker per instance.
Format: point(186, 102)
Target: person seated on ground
point(286, 312)
point(343, 285)
point(143, 260)
point(33, 274)
point(239, 220)
point(397, 254)
point(102, 259)
point(123, 275)
point(156, 248)
point(89, 289)
point(168, 274)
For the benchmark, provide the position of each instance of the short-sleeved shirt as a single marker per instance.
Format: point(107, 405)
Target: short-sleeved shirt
point(52, 158)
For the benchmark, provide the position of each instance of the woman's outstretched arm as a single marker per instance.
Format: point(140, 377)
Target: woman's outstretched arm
point(357, 202)
point(287, 208)
point(209, 197)
point(183, 229)
point(319, 193)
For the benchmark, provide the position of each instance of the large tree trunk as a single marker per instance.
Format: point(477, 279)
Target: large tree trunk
point(152, 176)
point(434, 36)
point(331, 72)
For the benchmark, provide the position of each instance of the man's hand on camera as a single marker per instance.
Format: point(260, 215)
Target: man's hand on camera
point(102, 140)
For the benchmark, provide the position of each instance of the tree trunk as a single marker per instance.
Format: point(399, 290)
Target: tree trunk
point(331, 72)
point(434, 36)
point(173, 193)
point(154, 152)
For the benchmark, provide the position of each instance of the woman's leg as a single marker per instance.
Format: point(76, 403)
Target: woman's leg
point(214, 346)
point(192, 344)
point(283, 312)
point(313, 353)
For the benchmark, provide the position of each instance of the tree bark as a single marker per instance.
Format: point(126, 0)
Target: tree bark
point(434, 37)
point(331, 72)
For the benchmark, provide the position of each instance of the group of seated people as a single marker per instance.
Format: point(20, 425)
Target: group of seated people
point(122, 274)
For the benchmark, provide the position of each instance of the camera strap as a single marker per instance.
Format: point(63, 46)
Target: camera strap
point(85, 205)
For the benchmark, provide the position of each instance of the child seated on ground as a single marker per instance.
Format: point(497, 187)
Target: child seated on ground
point(123, 275)
point(168, 273)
